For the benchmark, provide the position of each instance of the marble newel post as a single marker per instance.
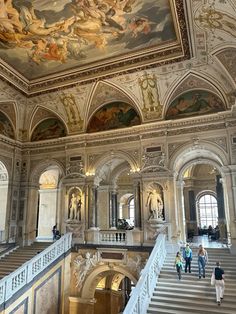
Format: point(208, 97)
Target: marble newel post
point(180, 209)
point(113, 209)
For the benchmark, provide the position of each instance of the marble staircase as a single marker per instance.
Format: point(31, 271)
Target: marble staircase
point(16, 258)
point(191, 294)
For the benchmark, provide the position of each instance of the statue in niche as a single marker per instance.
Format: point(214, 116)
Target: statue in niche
point(75, 204)
point(155, 204)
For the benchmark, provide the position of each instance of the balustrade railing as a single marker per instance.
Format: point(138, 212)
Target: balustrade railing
point(12, 283)
point(141, 295)
point(113, 236)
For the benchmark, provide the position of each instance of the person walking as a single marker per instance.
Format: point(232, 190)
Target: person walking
point(179, 264)
point(219, 282)
point(202, 261)
point(187, 255)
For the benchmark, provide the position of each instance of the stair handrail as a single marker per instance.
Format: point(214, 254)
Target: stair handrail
point(142, 293)
point(13, 282)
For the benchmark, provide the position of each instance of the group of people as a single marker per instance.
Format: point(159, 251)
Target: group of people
point(217, 274)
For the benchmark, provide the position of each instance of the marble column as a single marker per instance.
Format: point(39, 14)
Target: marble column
point(180, 210)
point(137, 205)
point(113, 209)
point(92, 201)
point(229, 187)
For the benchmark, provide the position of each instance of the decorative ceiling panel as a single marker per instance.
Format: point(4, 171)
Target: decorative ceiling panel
point(44, 43)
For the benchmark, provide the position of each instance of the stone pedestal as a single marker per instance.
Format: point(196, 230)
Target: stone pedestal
point(92, 235)
point(77, 228)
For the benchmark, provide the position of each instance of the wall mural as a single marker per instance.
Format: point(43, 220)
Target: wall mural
point(48, 129)
point(113, 116)
point(193, 103)
point(43, 37)
point(5, 126)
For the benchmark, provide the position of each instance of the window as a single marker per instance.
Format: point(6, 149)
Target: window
point(208, 211)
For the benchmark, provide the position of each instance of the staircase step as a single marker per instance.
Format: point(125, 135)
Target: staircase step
point(212, 308)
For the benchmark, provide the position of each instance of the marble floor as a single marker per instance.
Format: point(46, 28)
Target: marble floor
point(206, 242)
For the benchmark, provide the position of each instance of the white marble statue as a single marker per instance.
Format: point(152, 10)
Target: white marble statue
point(155, 205)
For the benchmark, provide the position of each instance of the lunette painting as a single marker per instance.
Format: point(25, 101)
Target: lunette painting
point(5, 126)
point(113, 116)
point(195, 102)
point(40, 37)
point(48, 129)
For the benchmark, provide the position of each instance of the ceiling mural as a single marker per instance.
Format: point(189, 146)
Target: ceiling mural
point(196, 102)
point(48, 129)
point(39, 38)
point(113, 116)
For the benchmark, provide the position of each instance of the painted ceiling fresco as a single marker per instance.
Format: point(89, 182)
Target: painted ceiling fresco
point(41, 37)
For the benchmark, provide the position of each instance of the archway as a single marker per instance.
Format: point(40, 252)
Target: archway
point(199, 169)
point(204, 202)
point(48, 203)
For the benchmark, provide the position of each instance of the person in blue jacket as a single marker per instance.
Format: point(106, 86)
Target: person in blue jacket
point(187, 255)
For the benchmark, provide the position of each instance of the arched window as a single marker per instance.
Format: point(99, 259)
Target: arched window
point(207, 210)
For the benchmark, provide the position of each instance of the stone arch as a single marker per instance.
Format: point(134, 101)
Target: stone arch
point(90, 284)
point(104, 92)
point(200, 152)
point(193, 81)
point(111, 155)
point(42, 166)
point(197, 152)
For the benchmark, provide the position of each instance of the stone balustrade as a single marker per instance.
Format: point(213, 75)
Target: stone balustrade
point(140, 297)
point(12, 283)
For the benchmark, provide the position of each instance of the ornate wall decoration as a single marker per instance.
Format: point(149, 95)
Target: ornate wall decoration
point(48, 129)
point(153, 161)
point(227, 58)
point(221, 141)
point(74, 121)
point(196, 102)
point(151, 103)
point(82, 266)
point(113, 116)
point(213, 19)
point(6, 128)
